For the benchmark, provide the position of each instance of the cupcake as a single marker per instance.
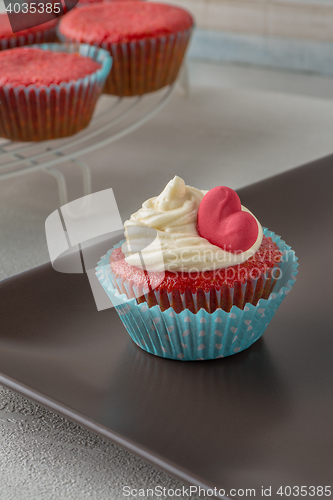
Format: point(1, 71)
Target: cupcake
point(147, 41)
point(198, 277)
point(49, 91)
point(39, 34)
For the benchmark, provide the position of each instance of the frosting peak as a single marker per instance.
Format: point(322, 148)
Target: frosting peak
point(173, 195)
point(173, 215)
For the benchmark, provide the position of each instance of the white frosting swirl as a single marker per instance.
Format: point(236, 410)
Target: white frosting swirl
point(172, 216)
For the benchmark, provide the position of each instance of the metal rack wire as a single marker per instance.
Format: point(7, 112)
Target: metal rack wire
point(114, 118)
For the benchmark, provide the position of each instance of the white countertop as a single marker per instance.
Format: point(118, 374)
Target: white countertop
point(241, 125)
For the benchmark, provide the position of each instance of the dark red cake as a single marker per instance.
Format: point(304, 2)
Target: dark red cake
point(258, 267)
point(146, 40)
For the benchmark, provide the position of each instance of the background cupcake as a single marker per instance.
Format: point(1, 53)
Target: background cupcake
point(147, 41)
point(172, 314)
point(49, 91)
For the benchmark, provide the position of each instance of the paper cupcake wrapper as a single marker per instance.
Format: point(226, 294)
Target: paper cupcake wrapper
point(203, 335)
point(49, 112)
point(144, 66)
point(42, 36)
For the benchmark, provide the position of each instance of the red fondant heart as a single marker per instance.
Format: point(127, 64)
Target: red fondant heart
point(223, 223)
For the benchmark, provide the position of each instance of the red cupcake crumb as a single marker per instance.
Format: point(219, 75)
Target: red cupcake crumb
point(258, 267)
point(29, 66)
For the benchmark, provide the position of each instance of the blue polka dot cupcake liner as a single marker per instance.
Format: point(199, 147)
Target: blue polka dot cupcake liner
point(189, 336)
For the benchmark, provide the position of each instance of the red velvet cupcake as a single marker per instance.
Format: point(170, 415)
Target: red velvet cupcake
point(44, 33)
point(49, 91)
point(198, 277)
point(147, 41)
point(214, 253)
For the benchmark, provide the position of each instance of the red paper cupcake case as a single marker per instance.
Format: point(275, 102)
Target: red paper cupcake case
point(225, 298)
point(42, 113)
point(146, 65)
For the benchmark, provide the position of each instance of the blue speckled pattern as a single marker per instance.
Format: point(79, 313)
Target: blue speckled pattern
point(187, 336)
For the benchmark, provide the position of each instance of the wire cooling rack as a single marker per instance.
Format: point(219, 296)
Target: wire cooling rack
point(114, 118)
